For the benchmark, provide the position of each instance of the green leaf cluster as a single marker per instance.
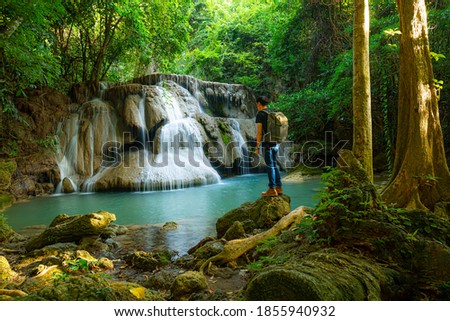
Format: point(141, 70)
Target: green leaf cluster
point(26, 48)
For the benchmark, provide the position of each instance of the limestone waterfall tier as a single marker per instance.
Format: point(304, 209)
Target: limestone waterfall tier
point(156, 136)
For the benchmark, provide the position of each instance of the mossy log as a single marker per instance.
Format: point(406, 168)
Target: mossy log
point(65, 228)
point(235, 248)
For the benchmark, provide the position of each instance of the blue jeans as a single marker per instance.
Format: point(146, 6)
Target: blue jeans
point(270, 158)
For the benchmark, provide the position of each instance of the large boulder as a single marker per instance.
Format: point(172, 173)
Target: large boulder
point(322, 276)
point(263, 213)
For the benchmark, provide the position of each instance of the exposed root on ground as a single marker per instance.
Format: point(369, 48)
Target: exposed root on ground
point(235, 248)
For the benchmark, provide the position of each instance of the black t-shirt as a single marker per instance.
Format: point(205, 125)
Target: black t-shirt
point(261, 118)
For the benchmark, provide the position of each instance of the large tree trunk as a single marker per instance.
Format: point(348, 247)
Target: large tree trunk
point(362, 116)
point(420, 175)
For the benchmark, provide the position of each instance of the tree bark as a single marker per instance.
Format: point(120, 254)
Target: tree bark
point(362, 115)
point(420, 176)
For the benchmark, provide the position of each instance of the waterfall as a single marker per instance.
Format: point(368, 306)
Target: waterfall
point(83, 137)
point(136, 137)
point(240, 147)
point(180, 161)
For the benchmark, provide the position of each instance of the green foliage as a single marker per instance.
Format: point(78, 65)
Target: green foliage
point(26, 43)
point(436, 56)
point(264, 260)
point(50, 143)
point(384, 47)
point(59, 277)
point(114, 40)
point(306, 111)
point(267, 244)
point(224, 132)
point(10, 148)
point(229, 42)
point(306, 227)
point(78, 265)
point(5, 229)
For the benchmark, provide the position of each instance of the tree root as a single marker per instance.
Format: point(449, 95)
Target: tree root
point(235, 248)
point(12, 293)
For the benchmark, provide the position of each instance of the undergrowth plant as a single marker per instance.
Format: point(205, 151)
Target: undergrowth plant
point(346, 201)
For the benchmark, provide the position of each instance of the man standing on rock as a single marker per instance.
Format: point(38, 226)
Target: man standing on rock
point(270, 149)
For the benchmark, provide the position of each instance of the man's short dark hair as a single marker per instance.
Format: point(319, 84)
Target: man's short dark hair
point(263, 100)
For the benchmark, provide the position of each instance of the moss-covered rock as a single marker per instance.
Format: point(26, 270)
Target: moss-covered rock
point(91, 287)
point(208, 250)
point(147, 261)
point(324, 275)
point(6, 273)
point(5, 230)
point(264, 212)
point(236, 231)
point(169, 226)
point(160, 280)
point(187, 283)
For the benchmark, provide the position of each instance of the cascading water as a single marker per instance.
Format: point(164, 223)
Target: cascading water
point(179, 160)
point(143, 137)
point(83, 137)
point(240, 148)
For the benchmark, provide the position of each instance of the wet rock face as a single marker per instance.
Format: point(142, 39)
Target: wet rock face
point(216, 99)
point(67, 186)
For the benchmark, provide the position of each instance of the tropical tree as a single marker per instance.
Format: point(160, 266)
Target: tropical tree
point(362, 116)
point(98, 38)
point(420, 176)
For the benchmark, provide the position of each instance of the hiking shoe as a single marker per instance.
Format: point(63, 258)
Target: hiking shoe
point(270, 192)
point(279, 190)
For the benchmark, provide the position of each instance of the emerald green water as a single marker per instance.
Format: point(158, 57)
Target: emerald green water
point(194, 209)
